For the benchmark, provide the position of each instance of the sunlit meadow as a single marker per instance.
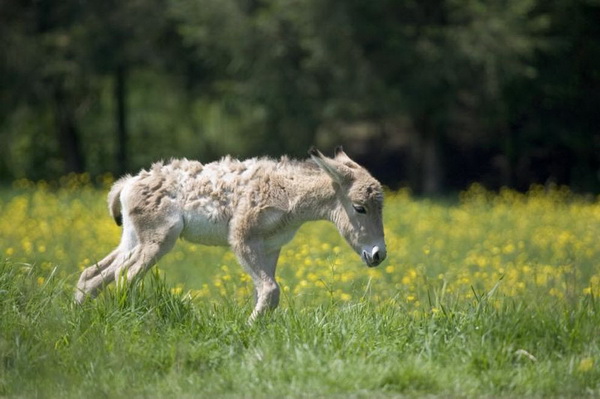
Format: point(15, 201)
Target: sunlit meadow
point(509, 250)
point(543, 244)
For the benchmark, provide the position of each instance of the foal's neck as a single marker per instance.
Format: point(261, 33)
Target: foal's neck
point(316, 198)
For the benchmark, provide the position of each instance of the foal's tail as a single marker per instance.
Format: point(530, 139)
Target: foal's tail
point(114, 199)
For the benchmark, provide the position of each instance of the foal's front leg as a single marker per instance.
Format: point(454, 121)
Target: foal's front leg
point(261, 266)
point(267, 288)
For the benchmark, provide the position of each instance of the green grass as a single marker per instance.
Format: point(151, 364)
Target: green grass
point(151, 342)
point(495, 295)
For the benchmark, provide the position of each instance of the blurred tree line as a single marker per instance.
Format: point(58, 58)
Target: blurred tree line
point(430, 94)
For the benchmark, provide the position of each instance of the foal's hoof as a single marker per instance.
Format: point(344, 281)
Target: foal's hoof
point(79, 297)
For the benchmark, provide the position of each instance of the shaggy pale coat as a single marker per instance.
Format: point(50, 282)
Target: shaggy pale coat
point(254, 206)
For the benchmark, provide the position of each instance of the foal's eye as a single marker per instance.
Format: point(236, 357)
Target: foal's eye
point(359, 208)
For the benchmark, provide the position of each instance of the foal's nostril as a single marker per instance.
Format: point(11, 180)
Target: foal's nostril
point(373, 257)
point(376, 256)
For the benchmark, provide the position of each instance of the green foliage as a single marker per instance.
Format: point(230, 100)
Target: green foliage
point(501, 92)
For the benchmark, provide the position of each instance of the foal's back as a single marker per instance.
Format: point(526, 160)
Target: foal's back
point(208, 196)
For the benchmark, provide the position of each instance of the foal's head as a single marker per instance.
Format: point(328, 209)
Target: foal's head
point(357, 211)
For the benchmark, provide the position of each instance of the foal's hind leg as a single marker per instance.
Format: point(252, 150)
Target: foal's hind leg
point(134, 263)
point(96, 277)
point(95, 269)
point(153, 244)
point(93, 275)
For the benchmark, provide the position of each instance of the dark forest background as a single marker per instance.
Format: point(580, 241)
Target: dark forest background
point(428, 94)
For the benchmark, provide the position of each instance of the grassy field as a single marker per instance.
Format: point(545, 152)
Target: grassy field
point(491, 295)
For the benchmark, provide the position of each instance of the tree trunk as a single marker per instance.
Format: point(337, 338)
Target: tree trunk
point(68, 134)
point(120, 93)
point(432, 168)
point(426, 173)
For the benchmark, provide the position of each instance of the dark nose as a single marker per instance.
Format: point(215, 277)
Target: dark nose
point(379, 255)
point(376, 258)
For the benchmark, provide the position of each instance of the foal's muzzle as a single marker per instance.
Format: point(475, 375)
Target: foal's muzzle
point(374, 258)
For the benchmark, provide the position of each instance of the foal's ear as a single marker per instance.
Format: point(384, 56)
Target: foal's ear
point(342, 157)
point(333, 167)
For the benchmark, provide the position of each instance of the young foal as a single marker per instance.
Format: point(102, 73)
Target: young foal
point(254, 206)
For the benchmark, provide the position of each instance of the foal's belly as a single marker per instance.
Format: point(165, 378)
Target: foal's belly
point(200, 229)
